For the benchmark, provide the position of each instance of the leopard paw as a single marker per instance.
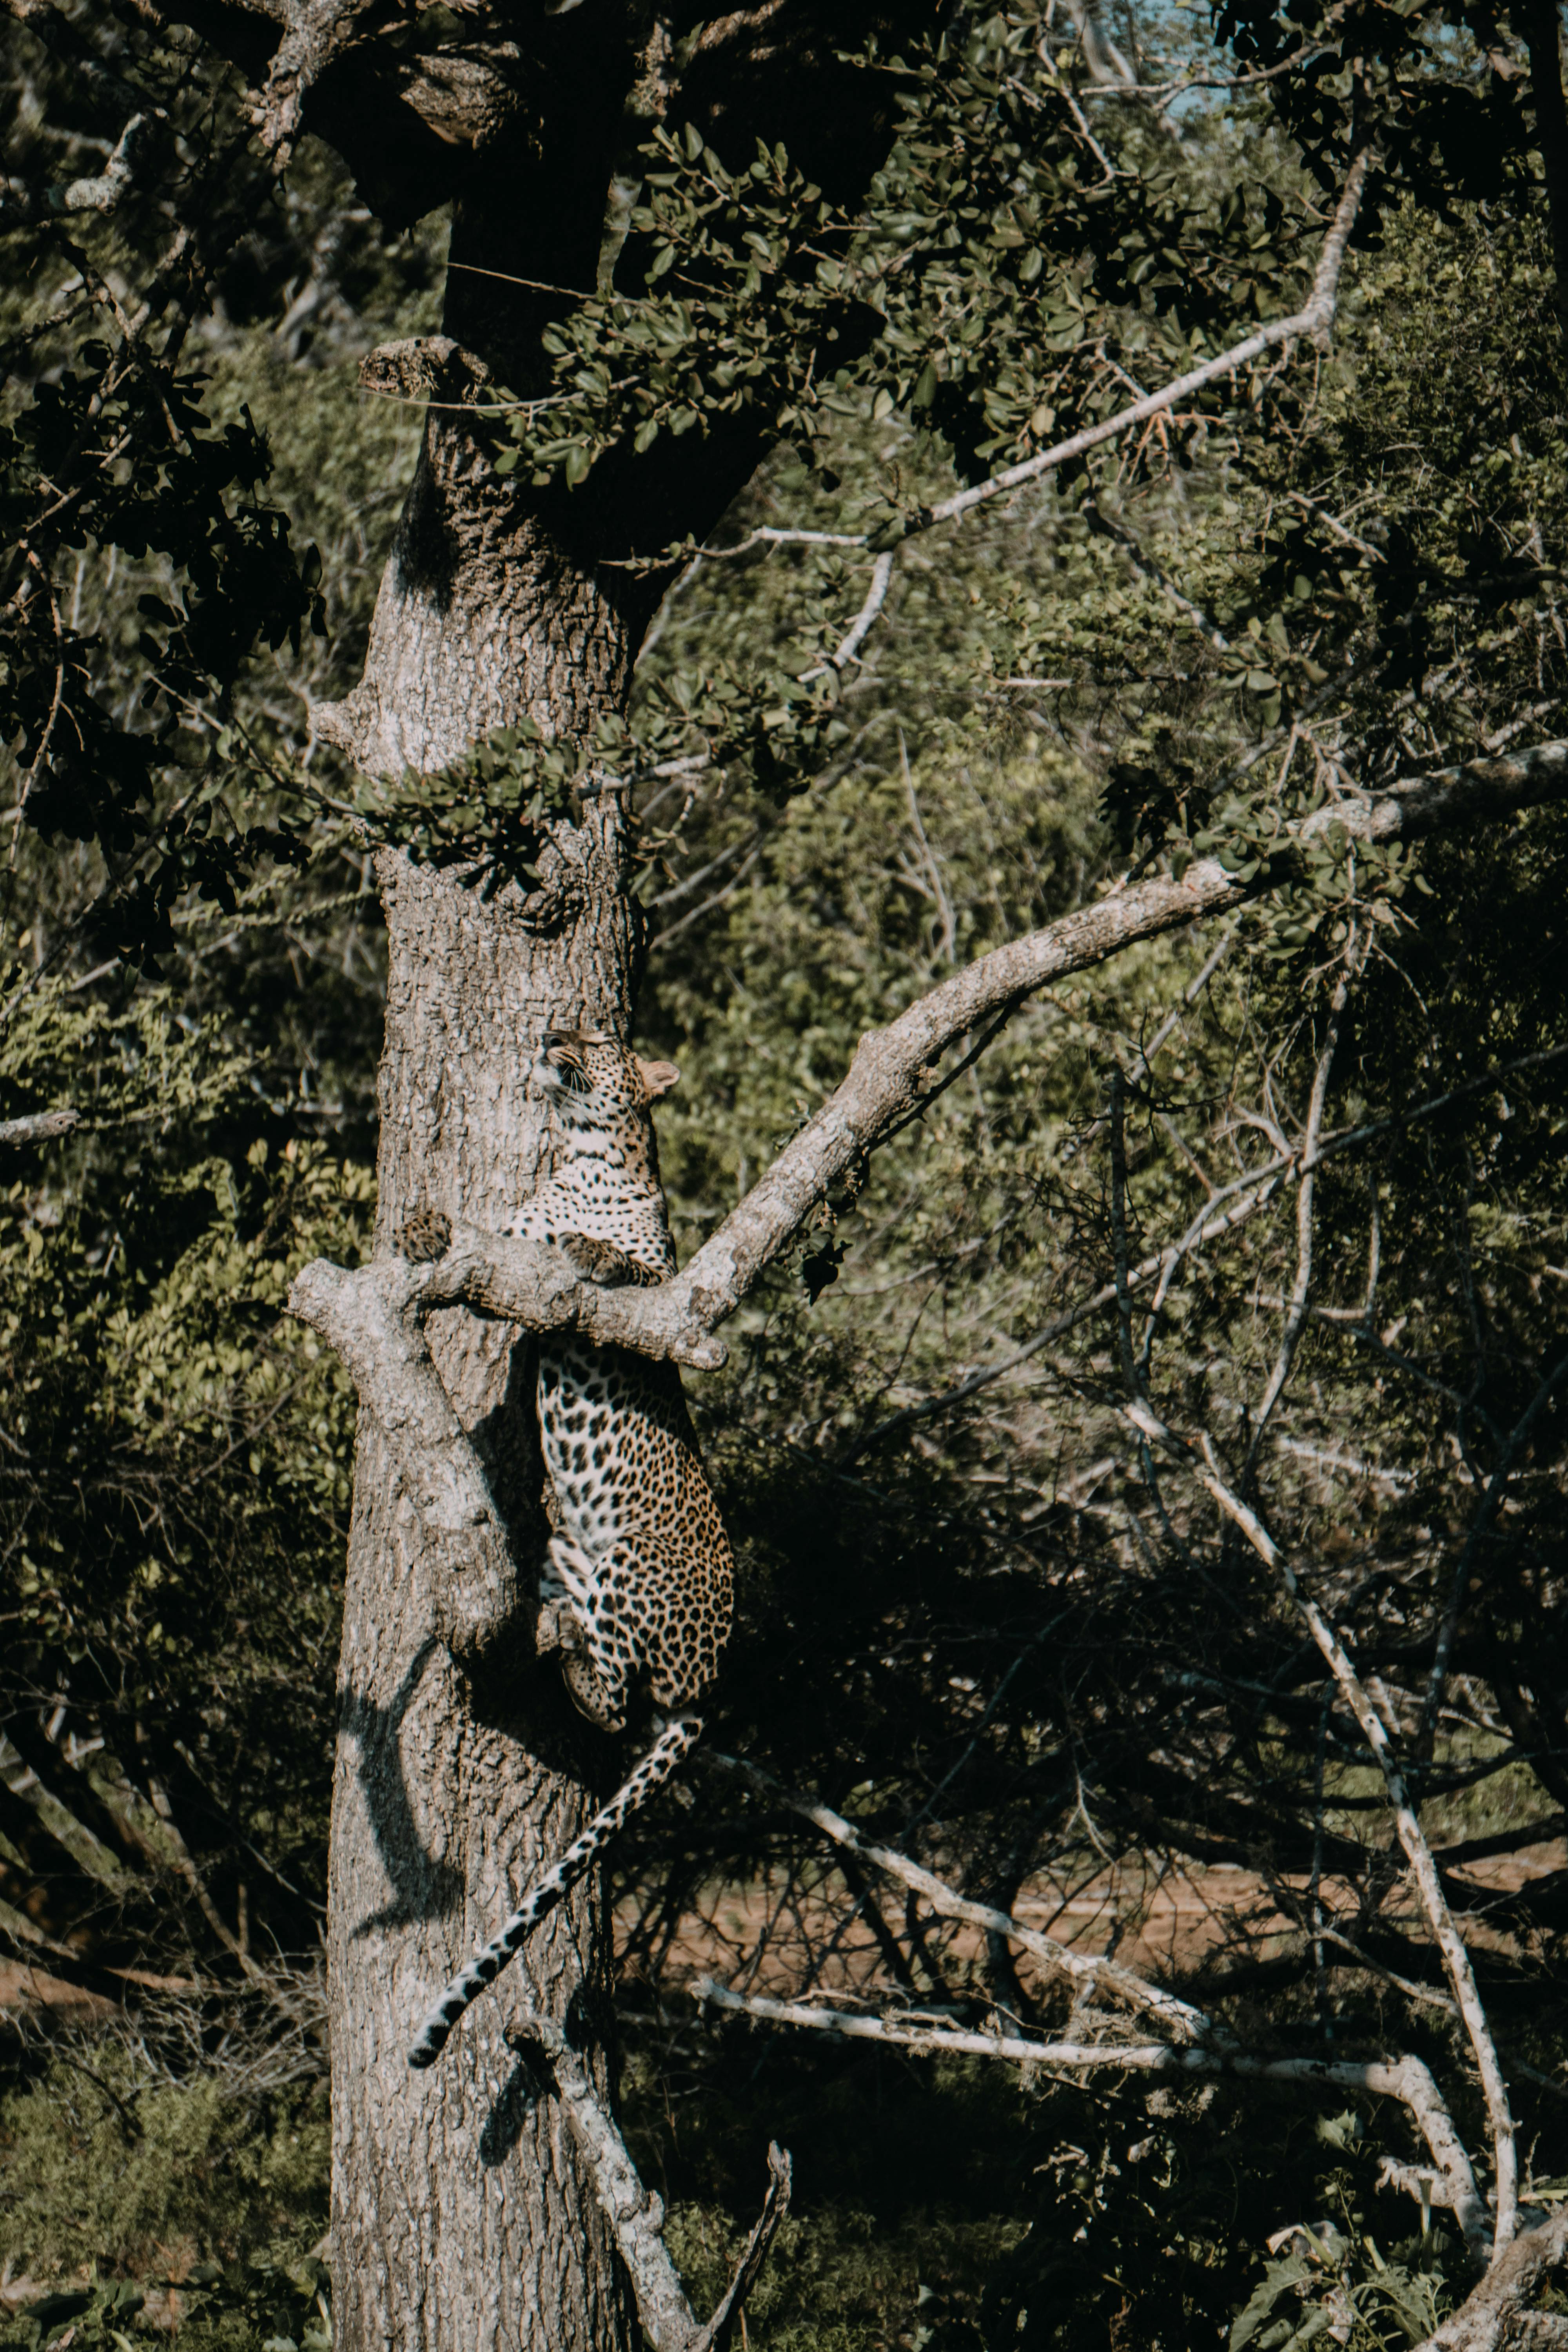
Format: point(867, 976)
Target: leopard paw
point(551, 1632)
point(594, 1260)
point(424, 1236)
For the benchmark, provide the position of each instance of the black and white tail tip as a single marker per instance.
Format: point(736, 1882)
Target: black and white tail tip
point(674, 1744)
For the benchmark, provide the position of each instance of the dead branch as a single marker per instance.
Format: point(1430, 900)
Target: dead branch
point(372, 1319)
point(38, 1127)
point(376, 1309)
point(364, 1318)
point(892, 1068)
point(1088, 1970)
point(1314, 320)
point(636, 2214)
point(25, 207)
point(1406, 2079)
point(1296, 1313)
point(1449, 1942)
point(754, 2254)
point(532, 1284)
point(86, 1849)
point(860, 627)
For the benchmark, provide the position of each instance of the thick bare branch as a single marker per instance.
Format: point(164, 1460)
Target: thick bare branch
point(364, 1317)
point(1407, 2079)
point(532, 1284)
point(370, 1317)
point(636, 2214)
point(522, 1282)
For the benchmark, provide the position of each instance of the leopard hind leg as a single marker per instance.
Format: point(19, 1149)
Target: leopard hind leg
point(581, 1627)
point(670, 1749)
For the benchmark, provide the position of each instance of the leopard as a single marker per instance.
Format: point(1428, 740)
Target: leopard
point(637, 1596)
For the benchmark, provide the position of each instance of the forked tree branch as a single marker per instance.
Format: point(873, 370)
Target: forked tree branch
point(893, 1071)
point(372, 1319)
point(636, 2214)
point(24, 205)
point(523, 1282)
point(1314, 319)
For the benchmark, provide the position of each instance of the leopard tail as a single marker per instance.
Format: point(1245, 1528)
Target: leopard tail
point(670, 1749)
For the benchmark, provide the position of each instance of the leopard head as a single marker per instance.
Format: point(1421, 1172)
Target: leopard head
point(601, 1090)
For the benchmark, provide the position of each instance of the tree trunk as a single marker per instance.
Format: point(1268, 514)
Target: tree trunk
point(462, 2214)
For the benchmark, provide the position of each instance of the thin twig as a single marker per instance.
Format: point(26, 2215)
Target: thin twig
point(1450, 1943)
point(1314, 319)
point(1296, 1313)
point(1086, 1970)
point(1257, 1188)
point(860, 627)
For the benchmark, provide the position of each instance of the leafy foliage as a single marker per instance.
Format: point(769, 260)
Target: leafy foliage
point(110, 2160)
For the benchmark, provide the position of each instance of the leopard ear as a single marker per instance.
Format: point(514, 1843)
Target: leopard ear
point(658, 1077)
